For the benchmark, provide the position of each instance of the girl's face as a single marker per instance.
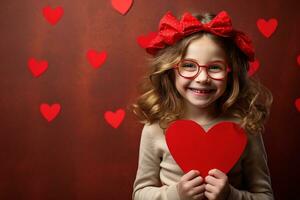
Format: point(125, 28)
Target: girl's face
point(203, 50)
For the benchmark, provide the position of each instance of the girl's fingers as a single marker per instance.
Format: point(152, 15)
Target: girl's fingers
point(211, 180)
point(199, 196)
point(199, 189)
point(209, 188)
point(195, 181)
point(190, 175)
point(209, 195)
point(217, 173)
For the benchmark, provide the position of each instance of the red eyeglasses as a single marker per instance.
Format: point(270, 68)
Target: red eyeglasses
point(190, 69)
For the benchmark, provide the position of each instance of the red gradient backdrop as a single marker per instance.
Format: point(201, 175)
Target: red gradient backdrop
point(79, 155)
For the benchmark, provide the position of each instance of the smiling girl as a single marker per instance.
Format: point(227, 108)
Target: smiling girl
point(198, 71)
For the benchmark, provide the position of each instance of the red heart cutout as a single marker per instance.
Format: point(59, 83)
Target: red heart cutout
point(36, 67)
point(143, 41)
point(96, 59)
point(114, 119)
point(267, 28)
point(49, 112)
point(254, 66)
point(122, 6)
point(297, 104)
point(53, 15)
point(194, 149)
point(298, 60)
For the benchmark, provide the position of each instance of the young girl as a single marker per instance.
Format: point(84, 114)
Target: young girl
point(199, 72)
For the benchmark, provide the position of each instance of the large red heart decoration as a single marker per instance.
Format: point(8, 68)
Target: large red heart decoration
point(96, 59)
point(194, 149)
point(267, 28)
point(53, 15)
point(114, 118)
point(36, 67)
point(122, 6)
point(49, 112)
point(254, 66)
point(298, 59)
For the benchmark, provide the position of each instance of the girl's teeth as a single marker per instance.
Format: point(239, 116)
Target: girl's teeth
point(201, 91)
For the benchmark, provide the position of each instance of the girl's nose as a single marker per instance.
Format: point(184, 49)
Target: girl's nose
point(202, 76)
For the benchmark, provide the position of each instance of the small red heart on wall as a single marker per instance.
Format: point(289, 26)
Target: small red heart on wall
point(298, 60)
point(143, 41)
point(254, 66)
point(267, 28)
point(297, 104)
point(122, 6)
point(194, 149)
point(49, 112)
point(96, 59)
point(114, 118)
point(36, 67)
point(53, 15)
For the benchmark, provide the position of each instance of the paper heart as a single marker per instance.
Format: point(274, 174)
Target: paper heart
point(143, 41)
point(114, 118)
point(122, 6)
point(194, 149)
point(96, 59)
point(49, 112)
point(254, 66)
point(297, 104)
point(36, 67)
point(267, 28)
point(53, 15)
point(298, 60)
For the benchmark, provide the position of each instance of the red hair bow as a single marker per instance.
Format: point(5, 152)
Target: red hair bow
point(171, 30)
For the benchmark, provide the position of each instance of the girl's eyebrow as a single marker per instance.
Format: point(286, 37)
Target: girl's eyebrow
point(217, 60)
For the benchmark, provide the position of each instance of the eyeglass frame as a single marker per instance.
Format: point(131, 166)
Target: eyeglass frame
point(228, 69)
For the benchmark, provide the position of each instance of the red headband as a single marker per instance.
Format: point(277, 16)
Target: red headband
point(171, 30)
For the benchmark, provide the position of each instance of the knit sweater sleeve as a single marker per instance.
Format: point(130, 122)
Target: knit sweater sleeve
point(147, 185)
point(255, 172)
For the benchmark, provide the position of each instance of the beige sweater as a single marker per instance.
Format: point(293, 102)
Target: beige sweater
point(158, 173)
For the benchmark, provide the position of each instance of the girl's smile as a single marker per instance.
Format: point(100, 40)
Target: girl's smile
point(201, 92)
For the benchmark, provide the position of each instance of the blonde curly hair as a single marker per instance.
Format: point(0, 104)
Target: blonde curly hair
point(245, 97)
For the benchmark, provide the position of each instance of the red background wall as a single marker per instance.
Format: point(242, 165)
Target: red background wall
point(79, 155)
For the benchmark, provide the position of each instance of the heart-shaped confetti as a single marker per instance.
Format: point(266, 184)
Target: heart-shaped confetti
point(53, 15)
point(144, 40)
point(297, 104)
point(195, 149)
point(122, 6)
point(96, 59)
point(254, 66)
point(50, 112)
point(267, 28)
point(37, 67)
point(114, 118)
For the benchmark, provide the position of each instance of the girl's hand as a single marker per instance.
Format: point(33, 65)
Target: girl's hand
point(191, 186)
point(217, 186)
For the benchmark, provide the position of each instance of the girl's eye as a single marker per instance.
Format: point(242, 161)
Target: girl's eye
point(216, 67)
point(188, 66)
